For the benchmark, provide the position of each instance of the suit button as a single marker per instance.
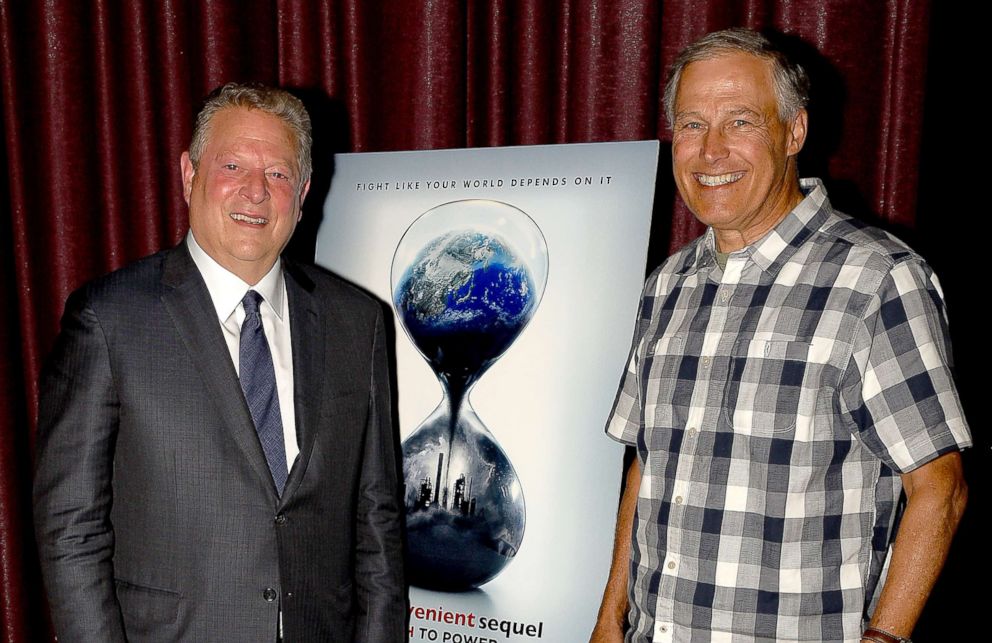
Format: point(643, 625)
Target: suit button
point(270, 594)
point(280, 519)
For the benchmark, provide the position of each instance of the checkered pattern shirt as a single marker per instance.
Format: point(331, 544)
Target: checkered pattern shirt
point(773, 405)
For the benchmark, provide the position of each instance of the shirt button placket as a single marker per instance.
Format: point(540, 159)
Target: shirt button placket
point(662, 632)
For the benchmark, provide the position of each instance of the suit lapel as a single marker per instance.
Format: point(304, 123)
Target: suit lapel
point(307, 333)
point(188, 302)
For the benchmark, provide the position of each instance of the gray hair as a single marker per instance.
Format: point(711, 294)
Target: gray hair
point(790, 79)
point(277, 102)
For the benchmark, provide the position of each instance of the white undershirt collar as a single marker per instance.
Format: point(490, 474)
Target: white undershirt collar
point(227, 289)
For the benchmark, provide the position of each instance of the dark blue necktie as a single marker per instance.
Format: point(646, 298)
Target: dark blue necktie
point(258, 381)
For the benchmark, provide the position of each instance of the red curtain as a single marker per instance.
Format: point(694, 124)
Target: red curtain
point(98, 99)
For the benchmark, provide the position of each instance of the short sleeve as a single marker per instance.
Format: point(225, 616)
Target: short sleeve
point(626, 418)
point(898, 388)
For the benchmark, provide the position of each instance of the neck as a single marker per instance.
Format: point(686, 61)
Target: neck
point(733, 239)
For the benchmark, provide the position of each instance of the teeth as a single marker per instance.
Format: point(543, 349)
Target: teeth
point(237, 216)
point(720, 179)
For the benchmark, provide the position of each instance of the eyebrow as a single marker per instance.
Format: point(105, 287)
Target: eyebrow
point(233, 154)
point(692, 114)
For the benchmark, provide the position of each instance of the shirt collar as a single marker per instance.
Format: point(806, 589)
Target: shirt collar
point(782, 240)
point(227, 289)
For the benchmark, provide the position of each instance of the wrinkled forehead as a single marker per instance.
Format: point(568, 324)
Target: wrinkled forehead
point(253, 118)
point(728, 75)
point(238, 125)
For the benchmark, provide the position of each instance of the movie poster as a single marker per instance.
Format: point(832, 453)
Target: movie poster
point(514, 276)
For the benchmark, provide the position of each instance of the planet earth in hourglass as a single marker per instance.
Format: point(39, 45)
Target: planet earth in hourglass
point(467, 277)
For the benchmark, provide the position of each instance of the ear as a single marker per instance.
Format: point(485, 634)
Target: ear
point(186, 168)
point(798, 133)
point(303, 195)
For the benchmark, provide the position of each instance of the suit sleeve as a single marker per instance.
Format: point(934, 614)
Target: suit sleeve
point(379, 559)
point(77, 428)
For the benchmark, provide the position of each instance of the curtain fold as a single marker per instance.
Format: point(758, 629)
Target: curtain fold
point(97, 101)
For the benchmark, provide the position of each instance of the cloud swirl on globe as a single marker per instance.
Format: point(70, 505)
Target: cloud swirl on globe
point(463, 300)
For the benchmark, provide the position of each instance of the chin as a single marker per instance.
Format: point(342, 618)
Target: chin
point(708, 212)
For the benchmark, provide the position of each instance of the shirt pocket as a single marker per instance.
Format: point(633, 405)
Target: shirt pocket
point(764, 386)
point(662, 361)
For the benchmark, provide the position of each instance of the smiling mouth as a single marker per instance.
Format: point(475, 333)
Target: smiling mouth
point(711, 180)
point(244, 218)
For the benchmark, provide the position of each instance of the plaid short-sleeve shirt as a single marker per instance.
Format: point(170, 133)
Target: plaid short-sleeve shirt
point(773, 404)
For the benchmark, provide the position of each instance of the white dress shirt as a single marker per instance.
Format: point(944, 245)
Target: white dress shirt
point(226, 291)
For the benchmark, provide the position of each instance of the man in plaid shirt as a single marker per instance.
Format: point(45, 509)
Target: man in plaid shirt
point(789, 378)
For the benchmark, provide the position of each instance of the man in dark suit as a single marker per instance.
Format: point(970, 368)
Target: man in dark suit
point(216, 460)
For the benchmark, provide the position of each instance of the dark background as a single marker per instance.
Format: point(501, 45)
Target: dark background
point(97, 99)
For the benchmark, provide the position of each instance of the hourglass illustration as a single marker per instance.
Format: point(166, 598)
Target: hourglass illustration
point(467, 277)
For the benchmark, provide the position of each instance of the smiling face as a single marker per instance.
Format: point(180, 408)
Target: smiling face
point(733, 157)
point(245, 194)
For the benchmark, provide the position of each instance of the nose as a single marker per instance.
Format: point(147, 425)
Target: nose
point(714, 145)
point(254, 188)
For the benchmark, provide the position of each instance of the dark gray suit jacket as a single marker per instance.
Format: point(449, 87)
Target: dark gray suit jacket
point(156, 515)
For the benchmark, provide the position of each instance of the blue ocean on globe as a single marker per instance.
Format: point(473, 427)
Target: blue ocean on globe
point(463, 300)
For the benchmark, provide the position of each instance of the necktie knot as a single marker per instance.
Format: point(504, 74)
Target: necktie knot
point(251, 301)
